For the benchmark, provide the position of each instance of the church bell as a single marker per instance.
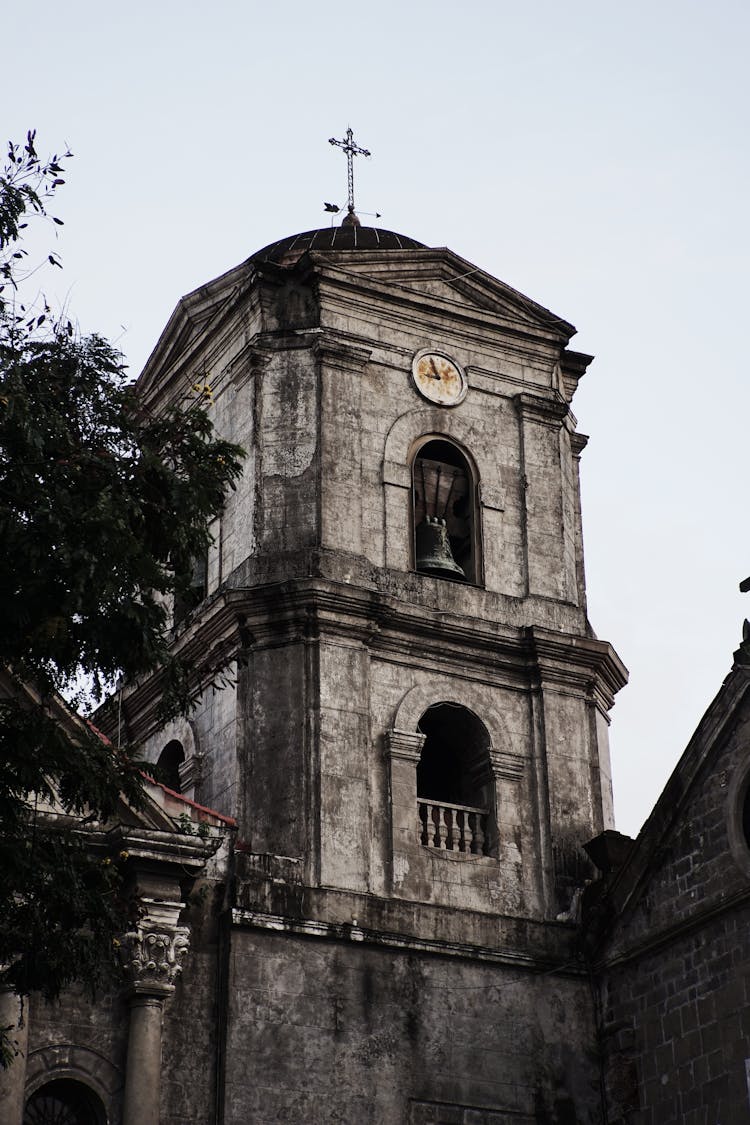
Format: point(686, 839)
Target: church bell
point(434, 555)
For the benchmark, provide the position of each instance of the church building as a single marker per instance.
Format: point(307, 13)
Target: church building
point(368, 899)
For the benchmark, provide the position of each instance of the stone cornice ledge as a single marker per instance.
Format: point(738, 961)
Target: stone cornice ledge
point(308, 927)
point(598, 665)
point(168, 849)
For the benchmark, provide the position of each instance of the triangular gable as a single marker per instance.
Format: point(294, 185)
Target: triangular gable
point(694, 806)
point(452, 281)
point(193, 319)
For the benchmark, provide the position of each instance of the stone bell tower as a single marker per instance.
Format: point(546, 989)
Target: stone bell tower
point(414, 738)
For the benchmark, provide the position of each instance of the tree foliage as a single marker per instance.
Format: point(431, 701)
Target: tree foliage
point(103, 508)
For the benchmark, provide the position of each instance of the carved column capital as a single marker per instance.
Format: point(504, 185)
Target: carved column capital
point(152, 957)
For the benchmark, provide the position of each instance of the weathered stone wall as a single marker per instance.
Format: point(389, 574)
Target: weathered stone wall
point(676, 979)
point(325, 1031)
point(87, 1040)
point(677, 1028)
point(339, 649)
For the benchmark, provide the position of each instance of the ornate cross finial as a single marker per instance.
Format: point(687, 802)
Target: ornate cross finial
point(351, 149)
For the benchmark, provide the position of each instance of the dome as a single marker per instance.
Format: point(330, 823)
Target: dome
point(349, 237)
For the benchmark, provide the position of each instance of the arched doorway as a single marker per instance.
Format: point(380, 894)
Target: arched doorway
point(64, 1102)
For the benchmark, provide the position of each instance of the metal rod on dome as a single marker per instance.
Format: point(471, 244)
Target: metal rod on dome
point(351, 149)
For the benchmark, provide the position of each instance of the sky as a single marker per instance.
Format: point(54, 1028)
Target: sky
point(592, 154)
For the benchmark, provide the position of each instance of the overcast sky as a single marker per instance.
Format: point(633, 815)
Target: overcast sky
point(592, 154)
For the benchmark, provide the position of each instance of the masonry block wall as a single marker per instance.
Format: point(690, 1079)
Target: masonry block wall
point(675, 976)
point(325, 1030)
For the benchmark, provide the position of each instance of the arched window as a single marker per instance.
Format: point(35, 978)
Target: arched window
point(168, 765)
point(445, 524)
point(64, 1102)
point(455, 783)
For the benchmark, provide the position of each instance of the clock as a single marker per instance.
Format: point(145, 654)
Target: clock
point(438, 378)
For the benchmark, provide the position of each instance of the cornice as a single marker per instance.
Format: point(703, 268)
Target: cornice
point(238, 621)
point(549, 410)
point(335, 352)
point(168, 850)
point(578, 443)
point(591, 664)
point(352, 932)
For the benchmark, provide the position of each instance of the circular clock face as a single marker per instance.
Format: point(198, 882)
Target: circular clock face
point(438, 377)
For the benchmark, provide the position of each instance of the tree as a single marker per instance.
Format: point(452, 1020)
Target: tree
point(103, 508)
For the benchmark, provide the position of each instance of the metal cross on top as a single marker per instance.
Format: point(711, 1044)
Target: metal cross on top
point(351, 149)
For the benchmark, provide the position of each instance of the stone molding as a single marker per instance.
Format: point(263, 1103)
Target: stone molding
point(542, 961)
point(578, 443)
point(547, 411)
point(152, 957)
point(403, 744)
point(507, 765)
point(191, 772)
point(73, 1060)
point(340, 354)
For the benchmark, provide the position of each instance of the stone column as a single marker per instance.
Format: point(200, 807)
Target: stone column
point(14, 1011)
point(152, 958)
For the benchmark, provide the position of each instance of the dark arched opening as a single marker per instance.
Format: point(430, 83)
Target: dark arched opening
point(445, 523)
point(64, 1102)
point(455, 784)
point(168, 765)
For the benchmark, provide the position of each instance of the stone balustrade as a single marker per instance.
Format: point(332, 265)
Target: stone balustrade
point(460, 829)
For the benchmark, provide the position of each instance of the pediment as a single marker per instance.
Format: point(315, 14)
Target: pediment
point(192, 321)
point(437, 279)
point(453, 284)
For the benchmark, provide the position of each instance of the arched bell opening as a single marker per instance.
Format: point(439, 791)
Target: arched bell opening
point(64, 1102)
point(444, 491)
point(455, 783)
point(168, 765)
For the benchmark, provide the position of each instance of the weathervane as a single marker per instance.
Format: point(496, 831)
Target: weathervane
point(351, 149)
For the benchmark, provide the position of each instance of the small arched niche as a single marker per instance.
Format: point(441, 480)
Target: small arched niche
point(445, 525)
point(64, 1102)
point(168, 765)
point(455, 782)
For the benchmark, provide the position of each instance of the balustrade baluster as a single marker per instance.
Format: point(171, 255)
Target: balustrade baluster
point(441, 834)
point(454, 832)
point(477, 846)
point(463, 819)
point(455, 828)
point(422, 815)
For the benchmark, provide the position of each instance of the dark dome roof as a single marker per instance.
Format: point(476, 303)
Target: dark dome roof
point(288, 250)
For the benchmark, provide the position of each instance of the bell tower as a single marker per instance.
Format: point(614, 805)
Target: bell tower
point(414, 738)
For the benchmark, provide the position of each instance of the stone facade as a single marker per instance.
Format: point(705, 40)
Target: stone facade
point(352, 916)
point(413, 744)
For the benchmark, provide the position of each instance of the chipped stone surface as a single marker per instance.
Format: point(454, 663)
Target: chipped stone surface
point(364, 976)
